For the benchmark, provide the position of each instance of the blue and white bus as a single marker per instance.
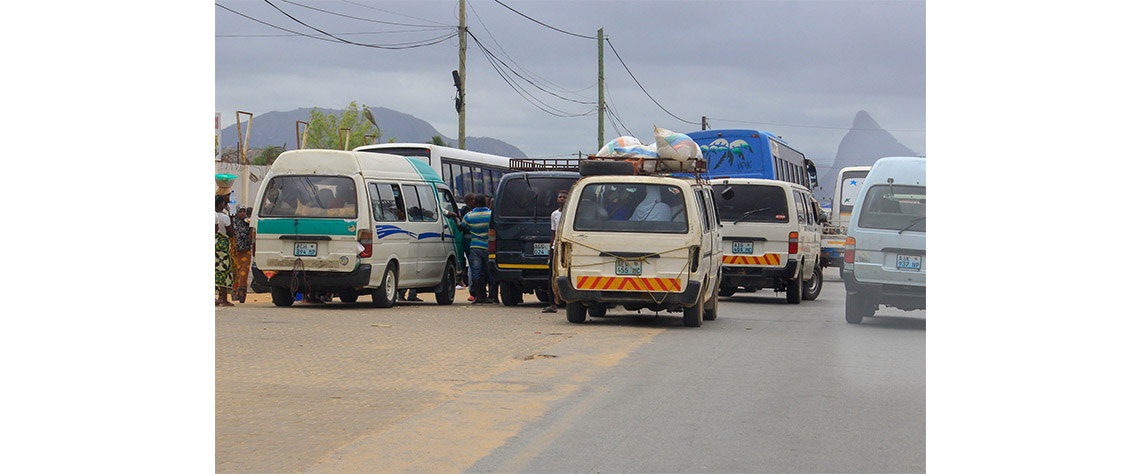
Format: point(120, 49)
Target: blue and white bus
point(463, 171)
point(753, 154)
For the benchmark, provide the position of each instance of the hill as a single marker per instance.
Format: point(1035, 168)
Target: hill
point(280, 128)
point(861, 146)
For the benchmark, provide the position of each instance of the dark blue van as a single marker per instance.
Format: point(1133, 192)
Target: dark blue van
point(520, 232)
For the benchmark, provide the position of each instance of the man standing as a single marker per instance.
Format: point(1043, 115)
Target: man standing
point(478, 223)
point(555, 218)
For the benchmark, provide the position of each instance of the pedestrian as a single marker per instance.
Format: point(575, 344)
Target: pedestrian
point(408, 295)
point(492, 285)
point(223, 264)
point(555, 219)
point(464, 275)
point(478, 223)
point(243, 253)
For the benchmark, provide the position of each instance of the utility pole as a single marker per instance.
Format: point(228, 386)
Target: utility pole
point(462, 74)
point(601, 93)
point(704, 123)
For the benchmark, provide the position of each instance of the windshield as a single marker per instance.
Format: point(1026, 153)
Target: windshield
point(309, 196)
point(752, 203)
point(894, 207)
point(632, 207)
point(532, 198)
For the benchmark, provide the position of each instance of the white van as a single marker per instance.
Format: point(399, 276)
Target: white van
point(847, 185)
point(884, 259)
point(638, 242)
point(771, 237)
point(347, 223)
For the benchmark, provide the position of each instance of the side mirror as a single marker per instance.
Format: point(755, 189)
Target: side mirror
point(728, 193)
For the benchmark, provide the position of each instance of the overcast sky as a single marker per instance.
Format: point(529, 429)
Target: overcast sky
point(798, 69)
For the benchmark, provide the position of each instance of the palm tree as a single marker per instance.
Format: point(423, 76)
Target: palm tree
point(438, 140)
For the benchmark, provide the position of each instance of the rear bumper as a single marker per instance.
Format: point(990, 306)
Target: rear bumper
point(528, 274)
point(315, 280)
point(831, 257)
point(761, 277)
point(904, 297)
point(689, 297)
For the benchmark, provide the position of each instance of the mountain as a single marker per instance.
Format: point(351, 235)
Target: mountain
point(280, 128)
point(863, 144)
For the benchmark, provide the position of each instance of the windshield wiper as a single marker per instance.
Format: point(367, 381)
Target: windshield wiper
point(749, 213)
point(912, 223)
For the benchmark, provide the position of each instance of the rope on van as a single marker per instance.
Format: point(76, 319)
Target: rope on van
point(643, 258)
point(294, 282)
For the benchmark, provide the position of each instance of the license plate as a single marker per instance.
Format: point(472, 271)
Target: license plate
point(305, 249)
point(742, 247)
point(909, 262)
point(628, 268)
point(542, 249)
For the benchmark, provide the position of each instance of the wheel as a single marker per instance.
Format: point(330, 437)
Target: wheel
point(726, 291)
point(542, 295)
point(511, 293)
point(348, 295)
point(576, 312)
point(813, 287)
point(856, 308)
point(384, 296)
point(606, 167)
point(281, 296)
point(796, 288)
point(711, 308)
point(694, 315)
point(446, 295)
point(596, 311)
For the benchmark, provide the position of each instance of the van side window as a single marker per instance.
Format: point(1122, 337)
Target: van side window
point(387, 205)
point(703, 210)
point(447, 200)
point(800, 206)
point(422, 205)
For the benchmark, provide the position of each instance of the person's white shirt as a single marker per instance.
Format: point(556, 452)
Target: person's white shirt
point(222, 220)
point(555, 218)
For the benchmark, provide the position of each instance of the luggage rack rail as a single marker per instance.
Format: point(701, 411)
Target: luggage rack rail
point(699, 172)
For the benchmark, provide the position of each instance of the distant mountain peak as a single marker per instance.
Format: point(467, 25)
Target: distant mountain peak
point(863, 121)
point(865, 143)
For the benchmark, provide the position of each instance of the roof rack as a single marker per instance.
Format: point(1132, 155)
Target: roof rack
point(644, 165)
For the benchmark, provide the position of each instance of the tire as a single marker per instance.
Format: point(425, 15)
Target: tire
point(726, 291)
point(856, 308)
point(281, 296)
point(813, 287)
point(576, 312)
point(694, 315)
point(606, 167)
point(542, 295)
point(446, 295)
point(348, 295)
point(384, 296)
point(596, 311)
point(511, 293)
point(796, 288)
point(711, 308)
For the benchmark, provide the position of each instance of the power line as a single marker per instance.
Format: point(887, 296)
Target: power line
point(544, 24)
point(643, 87)
point(498, 65)
point(366, 19)
point(818, 126)
point(337, 39)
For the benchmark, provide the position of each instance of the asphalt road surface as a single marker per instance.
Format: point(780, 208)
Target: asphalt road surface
point(767, 387)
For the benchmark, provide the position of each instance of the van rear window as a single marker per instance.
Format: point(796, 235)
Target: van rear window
point(632, 207)
point(894, 207)
point(533, 198)
point(751, 203)
point(309, 196)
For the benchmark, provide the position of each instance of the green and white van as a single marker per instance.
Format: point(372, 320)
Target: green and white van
point(348, 223)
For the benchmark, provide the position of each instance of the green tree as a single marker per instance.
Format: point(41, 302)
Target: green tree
point(268, 155)
point(324, 129)
point(438, 140)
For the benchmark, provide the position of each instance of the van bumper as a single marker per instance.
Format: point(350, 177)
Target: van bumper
point(760, 277)
point(567, 292)
point(357, 278)
point(527, 278)
point(904, 297)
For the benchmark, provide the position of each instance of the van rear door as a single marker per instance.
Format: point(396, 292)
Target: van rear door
point(308, 222)
point(756, 224)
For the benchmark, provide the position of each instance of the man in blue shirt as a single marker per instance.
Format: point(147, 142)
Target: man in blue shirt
point(478, 224)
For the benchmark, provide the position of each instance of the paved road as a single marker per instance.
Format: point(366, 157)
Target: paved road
point(419, 387)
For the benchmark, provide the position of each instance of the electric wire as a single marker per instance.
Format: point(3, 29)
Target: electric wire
point(544, 24)
point(449, 27)
point(498, 66)
point(821, 127)
point(336, 39)
point(643, 87)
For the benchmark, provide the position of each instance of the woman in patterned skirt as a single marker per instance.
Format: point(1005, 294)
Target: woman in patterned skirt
point(243, 254)
point(223, 265)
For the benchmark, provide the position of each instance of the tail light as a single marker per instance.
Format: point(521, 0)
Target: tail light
point(849, 251)
point(793, 243)
point(365, 239)
point(491, 241)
